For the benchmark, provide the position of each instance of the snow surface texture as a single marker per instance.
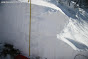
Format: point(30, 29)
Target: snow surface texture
point(48, 20)
point(14, 25)
point(75, 32)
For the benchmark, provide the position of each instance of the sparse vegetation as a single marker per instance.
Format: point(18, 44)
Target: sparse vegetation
point(9, 50)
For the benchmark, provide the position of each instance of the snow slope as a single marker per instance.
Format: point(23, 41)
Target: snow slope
point(14, 24)
point(45, 26)
point(75, 33)
point(48, 20)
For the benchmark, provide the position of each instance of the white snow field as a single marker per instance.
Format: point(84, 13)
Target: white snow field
point(54, 35)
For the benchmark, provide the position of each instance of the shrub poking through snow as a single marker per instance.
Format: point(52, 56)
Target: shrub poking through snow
point(9, 50)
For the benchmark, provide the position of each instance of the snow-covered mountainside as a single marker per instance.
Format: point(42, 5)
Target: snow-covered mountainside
point(57, 31)
point(76, 29)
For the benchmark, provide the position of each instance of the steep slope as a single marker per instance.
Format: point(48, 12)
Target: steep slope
point(45, 26)
point(48, 20)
